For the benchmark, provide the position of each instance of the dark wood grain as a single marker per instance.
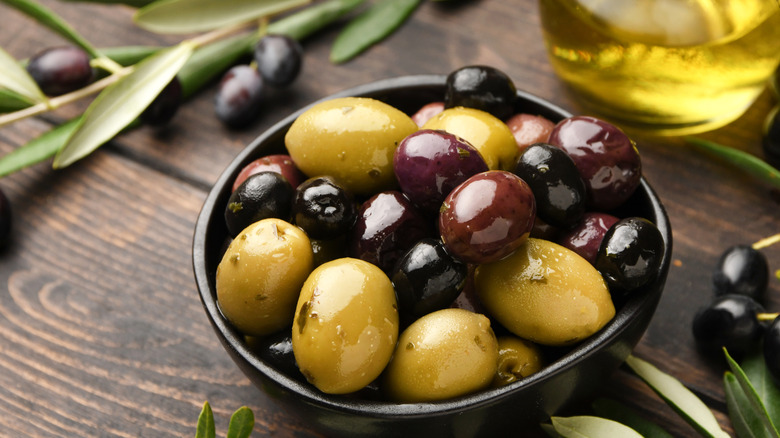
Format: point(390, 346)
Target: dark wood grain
point(101, 329)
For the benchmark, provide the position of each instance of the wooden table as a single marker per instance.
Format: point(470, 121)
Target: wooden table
point(101, 329)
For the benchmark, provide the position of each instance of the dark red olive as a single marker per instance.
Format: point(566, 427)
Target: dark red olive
point(279, 59)
point(426, 112)
point(263, 195)
point(387, 226)
point(60, 70)
point(529, 129)
point(771, 349)
point(239, 96)
point(585, 238)
point(487, 217)
point(279, 163)
point(606, 158)
point(630, 254)
point(323, 208)
point(729, 321)
point(481, 87)
point(552, 175)
point(165, 105)
point(5, 218)
point(426, 279)
point(742, 270)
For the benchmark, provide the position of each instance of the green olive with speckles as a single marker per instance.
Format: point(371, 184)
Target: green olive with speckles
point(260, 276)
point(346, 325)
point(444, 354)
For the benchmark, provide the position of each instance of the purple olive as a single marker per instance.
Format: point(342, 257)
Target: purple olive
point(487, 217)
point(388, 225)
point(239, 96)
point(279, 59)
point(165, 105)
point(430, 163)
point(60, 70)
point(585, 238)
point(606, 158)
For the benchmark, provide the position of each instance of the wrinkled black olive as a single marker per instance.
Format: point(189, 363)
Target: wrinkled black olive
point(323, 208)
point(741, 270)
point(481, 87)
point(630, 254)
point(263, 195)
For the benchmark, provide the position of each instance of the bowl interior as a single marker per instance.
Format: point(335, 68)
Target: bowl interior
point(409, 94)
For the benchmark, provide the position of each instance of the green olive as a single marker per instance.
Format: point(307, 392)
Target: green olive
point(517, 359)
point(346, 325)
point(488, 134)
point(444, 354)
point(545, 293)
point(260, 276)
point(352, 139)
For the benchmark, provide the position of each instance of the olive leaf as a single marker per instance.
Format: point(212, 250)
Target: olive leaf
point(311, 19)
point(370, 27)
point(678, 397)
point(206, 427)
point(186, 16)
point(11, 101)
point(751, 395)
point(133, 3)
point(616, 411)
point(743, 418)
point(743, 160)
point(16, 79)
point(756, 371)
point(38, 149)
point(209, 61)
point(586, 426)
point(242, 422)
point(120, 103)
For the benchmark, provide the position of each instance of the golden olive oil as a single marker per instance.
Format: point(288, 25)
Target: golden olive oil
point(670, 66)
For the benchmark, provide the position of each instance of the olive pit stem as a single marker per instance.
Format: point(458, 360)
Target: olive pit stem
point(762, 316)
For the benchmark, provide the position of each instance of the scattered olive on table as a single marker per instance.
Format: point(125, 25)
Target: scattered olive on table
point(279, 59)
point(60, 70)
point(239, 96)
point(165, 105)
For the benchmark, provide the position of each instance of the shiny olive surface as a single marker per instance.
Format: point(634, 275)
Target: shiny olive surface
point(5, 218)
point(60, 70)
point(279, 163)
point(323, 208)
point(262, 195)
point(444, 354)
point(279, 59)
point(487, 217)
point(606, 158)
point(422, 115)
point(771, 349)
point(585, 237)
point(346, 325)
point(529, 129)
point(165, 105)
point(729, 321)
point(481, 87)
point(427, 279)
point(742, 270)
point(552, 175)
point(387, 226)
point(239, 96)
point(630, 254)
point(517, 359)
point(430, 163)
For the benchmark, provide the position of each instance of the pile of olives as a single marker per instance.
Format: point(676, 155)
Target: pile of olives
point(425, 257)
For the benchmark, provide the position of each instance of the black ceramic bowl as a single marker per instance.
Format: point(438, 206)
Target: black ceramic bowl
point(572, 376)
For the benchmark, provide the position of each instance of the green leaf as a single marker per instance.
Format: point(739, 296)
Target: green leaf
point(206, 427)
point(50, 19)
point(242, 422)
point(591, 427)
point(752, 397)
point(10, 101)
point(743, 418)
point(16, 79)
point(621, 413)
point(311, 19)
point(678, 397)
point(186, 16)
point(120, 103)
point(742, 160)
point(211, 60)
point(41, 148)
point(132, 3)
point(756, 371)
point(129, 55)
point(370, 27)
point(550, 430)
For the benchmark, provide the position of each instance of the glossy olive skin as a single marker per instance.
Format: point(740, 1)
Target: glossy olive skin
point(276, 348)
point(552, 175)
point(323, 208)
point(427, 279)
point(606, 158)
point(487, 217)
point(5, 218)
point(422, 115)
point(60, 70)
point(771, 349)
point(517, 359)
point(346, 325)
point(279, 59)
point(444, 354)
point(529, 129)
point(386, 227)
point(165, 105)
point(585, 237)
point(481, 87)
point(430, 163)
point(263, 195)
point(239, 96)
point(630, 254)
point(729, 321)
point(741, 270)
point(279, 163)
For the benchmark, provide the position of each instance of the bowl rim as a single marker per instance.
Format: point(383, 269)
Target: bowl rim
point(231, 339)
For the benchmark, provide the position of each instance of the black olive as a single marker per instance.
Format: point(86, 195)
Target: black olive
point(279, 59)
point(557, 186)
point(630, 254)
point(60, 70)
point(772, 349)
point(481, 87)
point(164, 106)
point(323, 208)
point(276, 349)
point(5, 218)
point(239, 96)
point(730, 321)
point(741, 270)
point(263, 195)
